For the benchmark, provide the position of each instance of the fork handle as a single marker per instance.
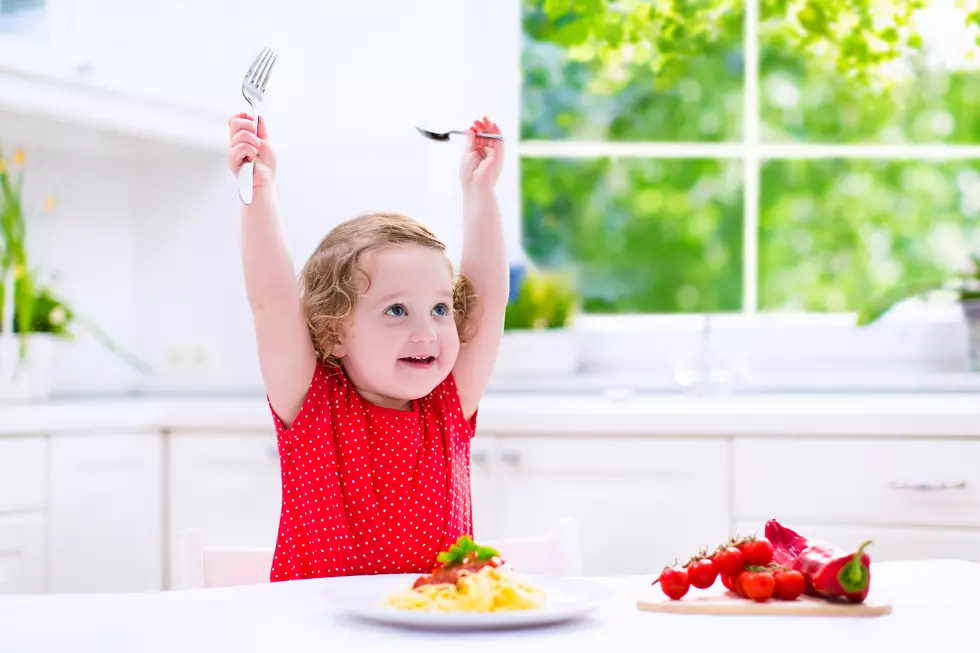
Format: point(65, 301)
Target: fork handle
point(247, 171)
point(245, 174)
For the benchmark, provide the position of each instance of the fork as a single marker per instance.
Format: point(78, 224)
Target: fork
point(444, 136)
point(253, 89)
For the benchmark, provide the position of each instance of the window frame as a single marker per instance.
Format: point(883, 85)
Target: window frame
point(871, 349)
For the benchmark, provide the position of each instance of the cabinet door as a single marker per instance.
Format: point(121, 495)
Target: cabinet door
point(105, 516)
point(21, 554)
point(485, 484)
point(890, 544)
point(174, 52)
point(228, 485)
point(638, 504)
point(23, 473)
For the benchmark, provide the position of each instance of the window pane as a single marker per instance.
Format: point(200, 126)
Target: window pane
point(847, 88)
point(645, 236)
point(633, 70)
point(834, 233)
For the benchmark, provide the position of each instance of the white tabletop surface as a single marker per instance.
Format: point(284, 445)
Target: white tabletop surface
point(936, 608)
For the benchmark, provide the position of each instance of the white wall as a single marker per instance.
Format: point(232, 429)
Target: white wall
point(146, 239)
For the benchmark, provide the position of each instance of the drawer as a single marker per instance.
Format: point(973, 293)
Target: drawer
point(23, 473)
point(891, 544)
point(858, 481)
point(22, 554)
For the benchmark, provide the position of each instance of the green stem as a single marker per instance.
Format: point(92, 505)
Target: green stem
point(855, 575)
point(107, 342)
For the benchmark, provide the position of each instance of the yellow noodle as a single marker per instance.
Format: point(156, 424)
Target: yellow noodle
point(491, 589)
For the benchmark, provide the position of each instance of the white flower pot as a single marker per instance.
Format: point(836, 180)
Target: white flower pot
point(34, 377)
point(537, 351)
point(971, 311)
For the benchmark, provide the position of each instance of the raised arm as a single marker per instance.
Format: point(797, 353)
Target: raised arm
point(287, 358)
point(483, 262)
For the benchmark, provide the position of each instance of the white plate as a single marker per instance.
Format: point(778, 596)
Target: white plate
point(567, 599)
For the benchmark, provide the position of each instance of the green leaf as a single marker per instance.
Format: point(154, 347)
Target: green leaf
point(878, 307)
point(465, 546)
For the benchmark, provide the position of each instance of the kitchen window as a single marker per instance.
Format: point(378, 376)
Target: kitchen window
point(768, 163)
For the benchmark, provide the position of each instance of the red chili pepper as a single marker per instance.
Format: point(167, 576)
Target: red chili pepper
point(829, 571)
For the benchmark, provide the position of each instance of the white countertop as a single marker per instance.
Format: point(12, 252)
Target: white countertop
point(912, 415)
point(934, 609)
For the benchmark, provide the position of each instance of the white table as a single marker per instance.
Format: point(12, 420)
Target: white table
point(936, 609)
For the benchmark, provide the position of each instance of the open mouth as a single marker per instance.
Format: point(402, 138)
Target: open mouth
point(418, 361)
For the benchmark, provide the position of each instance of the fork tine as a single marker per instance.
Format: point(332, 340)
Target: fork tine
point(267, 72)
point(258, 70)
point(255, 64)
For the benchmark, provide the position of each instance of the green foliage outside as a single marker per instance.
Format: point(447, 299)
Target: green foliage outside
point(667, 235)
point(546, 300)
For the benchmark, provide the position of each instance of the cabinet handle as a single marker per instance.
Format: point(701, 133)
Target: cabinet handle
point(925, 486)
point(479, 457)
point(273, 451)
point(511, 457)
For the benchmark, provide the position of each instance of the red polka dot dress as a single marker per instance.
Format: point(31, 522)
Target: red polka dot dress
point(367, 489)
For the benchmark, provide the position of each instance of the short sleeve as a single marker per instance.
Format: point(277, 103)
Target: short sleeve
point(445, 398)
point(314, 414)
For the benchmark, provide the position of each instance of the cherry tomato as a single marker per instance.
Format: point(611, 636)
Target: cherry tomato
point(674, 582)
point(757, 552)
point(737, 584)
point(789, 585)
point(702, 573)
point(726, 580)
point(728, 561)
point(758, 585)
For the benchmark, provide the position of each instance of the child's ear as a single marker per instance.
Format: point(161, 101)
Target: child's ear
point(337, 351)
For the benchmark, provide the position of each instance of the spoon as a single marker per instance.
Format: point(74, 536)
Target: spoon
point(444, 136)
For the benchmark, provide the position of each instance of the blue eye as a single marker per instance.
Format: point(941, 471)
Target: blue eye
point(441, 310)
point(396, 311)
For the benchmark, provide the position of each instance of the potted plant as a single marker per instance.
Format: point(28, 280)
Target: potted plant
point(537, 337)
point(34, 322)
point(965, 286)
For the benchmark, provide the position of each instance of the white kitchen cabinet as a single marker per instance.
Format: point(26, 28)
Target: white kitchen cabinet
point(174, 52)
point(903, 482)
point(917, 499)
point(23, 473)
point(485, 491)
point(105, 512)
point(638, 503)
point(228, 485)
point(22, 554)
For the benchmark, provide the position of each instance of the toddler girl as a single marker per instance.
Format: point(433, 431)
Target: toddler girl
point(374, 365)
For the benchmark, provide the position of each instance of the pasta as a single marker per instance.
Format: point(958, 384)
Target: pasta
point(469, 578)
point(488, 589)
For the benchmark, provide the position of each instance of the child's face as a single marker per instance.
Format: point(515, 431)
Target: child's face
point(401, 341)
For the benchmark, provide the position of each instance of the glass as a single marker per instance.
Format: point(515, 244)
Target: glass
point(845, 90)
point(593, 75)
point(642, 235)
point(835, 234)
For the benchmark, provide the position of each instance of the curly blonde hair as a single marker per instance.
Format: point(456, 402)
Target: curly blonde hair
point(328, 281)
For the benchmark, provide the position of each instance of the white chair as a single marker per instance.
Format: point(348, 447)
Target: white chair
point(201, 567)
point(554, 553)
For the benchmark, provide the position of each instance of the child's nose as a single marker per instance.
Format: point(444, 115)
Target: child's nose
point(422, 333)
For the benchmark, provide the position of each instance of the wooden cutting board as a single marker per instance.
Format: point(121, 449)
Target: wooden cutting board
point(718, 600)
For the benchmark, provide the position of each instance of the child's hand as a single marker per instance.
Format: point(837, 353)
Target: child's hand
point(247, 146)
point(480, 166)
